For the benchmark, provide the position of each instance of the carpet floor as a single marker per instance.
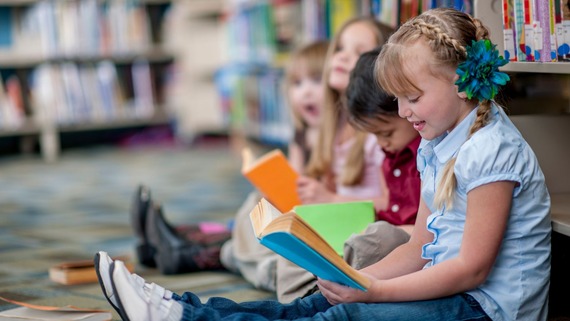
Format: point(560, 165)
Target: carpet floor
point(69, 210)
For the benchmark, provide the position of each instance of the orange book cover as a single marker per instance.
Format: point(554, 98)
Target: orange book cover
point(273, 177)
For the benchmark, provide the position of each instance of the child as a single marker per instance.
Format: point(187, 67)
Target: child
point(480, 248)
point(186, 249)
point(345, 164)
point(243, 254)
point(304, 90)
point(372, 110)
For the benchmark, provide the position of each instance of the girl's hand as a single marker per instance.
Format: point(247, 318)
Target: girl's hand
point(312, 191)
point(336, 293)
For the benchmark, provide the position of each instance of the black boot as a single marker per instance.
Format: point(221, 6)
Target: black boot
point(139, 209)
point(175, 254)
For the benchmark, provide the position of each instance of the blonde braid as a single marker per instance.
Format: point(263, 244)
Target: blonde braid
point(448, 183)
point(439, 37)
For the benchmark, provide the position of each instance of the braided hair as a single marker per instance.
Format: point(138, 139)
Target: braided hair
point(446, 32)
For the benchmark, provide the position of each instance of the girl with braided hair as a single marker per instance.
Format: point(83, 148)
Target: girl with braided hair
point(480, 248)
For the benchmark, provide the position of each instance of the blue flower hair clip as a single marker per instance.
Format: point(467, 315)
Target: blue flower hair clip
point(479, 74)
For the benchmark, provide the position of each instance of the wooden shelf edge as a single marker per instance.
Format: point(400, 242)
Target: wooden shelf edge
point(560, 212)
point(115, 124)
point(538, 67)
point(28, 128)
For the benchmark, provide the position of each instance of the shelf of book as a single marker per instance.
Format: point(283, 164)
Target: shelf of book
point(542, 131)
point(159, 118)
point(81, 65)
point(263, 33)
point(561, 213)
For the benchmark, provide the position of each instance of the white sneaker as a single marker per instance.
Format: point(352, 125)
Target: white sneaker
point(149, 302)
point(102, 267)
point(102, 264)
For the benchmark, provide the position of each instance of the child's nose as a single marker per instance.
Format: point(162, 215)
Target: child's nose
point(403, 110)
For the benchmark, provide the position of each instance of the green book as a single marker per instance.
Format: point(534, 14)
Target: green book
point(336, 222)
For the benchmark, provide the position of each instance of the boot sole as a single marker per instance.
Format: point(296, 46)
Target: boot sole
point(97, 260)
point(121, 309)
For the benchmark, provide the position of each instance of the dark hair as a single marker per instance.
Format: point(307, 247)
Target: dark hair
point(366, 100)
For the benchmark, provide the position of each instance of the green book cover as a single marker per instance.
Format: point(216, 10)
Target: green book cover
point(336, 222)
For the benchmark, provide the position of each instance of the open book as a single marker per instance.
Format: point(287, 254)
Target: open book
point(273, 177)
point(336, 222)
point(291, 237)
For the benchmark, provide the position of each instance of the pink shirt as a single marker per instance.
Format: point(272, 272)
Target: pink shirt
point(403, 180)
point(369, 187)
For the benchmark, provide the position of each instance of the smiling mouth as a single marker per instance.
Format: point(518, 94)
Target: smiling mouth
point(418, 125)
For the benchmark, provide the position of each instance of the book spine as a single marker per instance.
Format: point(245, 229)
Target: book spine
point(529, 36)
point(542, 31)
point(519, 30)
point(564, 33)
point(508, 31)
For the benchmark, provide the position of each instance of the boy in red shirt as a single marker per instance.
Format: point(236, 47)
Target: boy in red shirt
point(372, 110)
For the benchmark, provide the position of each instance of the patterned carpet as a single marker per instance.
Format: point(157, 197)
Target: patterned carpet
point(50, 213)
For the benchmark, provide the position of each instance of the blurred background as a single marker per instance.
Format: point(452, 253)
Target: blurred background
point(79, 72)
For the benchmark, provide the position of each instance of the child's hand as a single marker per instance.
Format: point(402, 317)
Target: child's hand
point(312, 191)
point(336, 293)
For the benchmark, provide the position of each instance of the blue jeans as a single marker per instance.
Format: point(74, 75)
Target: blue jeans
point(316, 307)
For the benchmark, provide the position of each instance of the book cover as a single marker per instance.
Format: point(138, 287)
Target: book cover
point(336, 222)
point(529, 29)
point(544, 32)
point(6, 37)
point(339, 12)
point(273, 177)
point(291, 237)
point(509, 40)
point(519, 30)
point(562, 14)
point(79, 272)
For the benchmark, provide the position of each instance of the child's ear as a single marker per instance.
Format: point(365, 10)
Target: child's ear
point(462, 95)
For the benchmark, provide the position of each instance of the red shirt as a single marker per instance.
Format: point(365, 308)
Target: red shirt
point(403, 180)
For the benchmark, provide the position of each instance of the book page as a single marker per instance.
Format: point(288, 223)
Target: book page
point(262, 215)
point(28, 311)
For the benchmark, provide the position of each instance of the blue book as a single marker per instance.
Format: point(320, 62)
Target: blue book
point(288, 235)
point(6, 38)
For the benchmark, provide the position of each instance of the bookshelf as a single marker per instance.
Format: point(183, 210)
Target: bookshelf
point(259, 36)
point(547, 133)
point(81, 65)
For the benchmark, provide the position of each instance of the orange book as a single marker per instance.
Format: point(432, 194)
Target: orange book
point(273, 177)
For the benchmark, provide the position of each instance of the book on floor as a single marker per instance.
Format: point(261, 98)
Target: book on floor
point(273, 177)
point(336, 222)
point(290, 236)
point(79, 272)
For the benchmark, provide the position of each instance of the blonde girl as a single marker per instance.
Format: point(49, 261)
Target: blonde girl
point(304, 92)
point(345, 163)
